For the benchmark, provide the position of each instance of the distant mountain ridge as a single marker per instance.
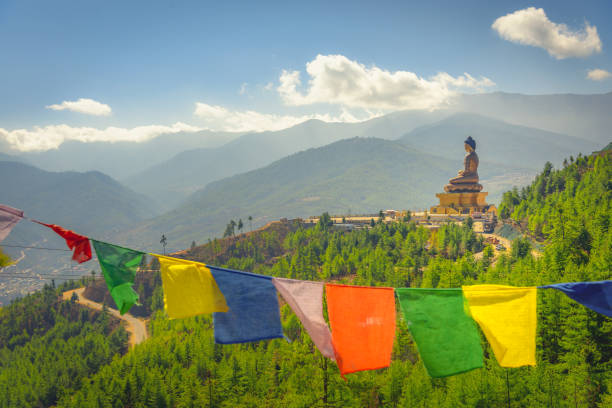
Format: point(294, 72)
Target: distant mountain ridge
point(357, 174)
point(122, 159)
point(9, 157)
point(91, 204)
point(516, 146)
point(583, 116)
point(496, 141)
point(172, 181)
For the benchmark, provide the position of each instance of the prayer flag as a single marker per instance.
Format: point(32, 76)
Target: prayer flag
point(363, 326)
point(306, 300)
point(119, 266)
point(253, 308)
point(78, 243)
point(507, 316)
point(596, 296)
point(446, 336)
point(9, 217)
point(189, 288)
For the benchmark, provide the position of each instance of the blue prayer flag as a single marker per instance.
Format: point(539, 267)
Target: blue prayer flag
point(594, 295)
point(253, 308)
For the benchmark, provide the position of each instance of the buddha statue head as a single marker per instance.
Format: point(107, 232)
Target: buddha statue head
point(470, 144)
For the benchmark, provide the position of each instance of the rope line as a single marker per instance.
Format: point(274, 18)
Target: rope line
point(44, 277)
point(33, 247)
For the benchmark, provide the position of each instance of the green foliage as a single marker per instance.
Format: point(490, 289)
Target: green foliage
point(4, 259)
point(520, 248)
point(181, 366)
point(48, 346)
point(325, 221)
point(230, 229)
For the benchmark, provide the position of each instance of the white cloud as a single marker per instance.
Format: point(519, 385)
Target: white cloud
point(220, 118)
point(531, 26)
point(51, 137)
point(83, 105)
point(598, 74)
point(269, 86)
point(336, 79)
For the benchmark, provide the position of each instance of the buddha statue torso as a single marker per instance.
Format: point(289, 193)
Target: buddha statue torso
point(467, 179)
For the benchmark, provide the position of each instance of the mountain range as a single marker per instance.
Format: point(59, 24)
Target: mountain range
point(122, 159)
point(189, 185)
point(172, 166)
point(171, 181)
point(90, 203)
point(359, 175)
point(497, 141)
point(584, 116)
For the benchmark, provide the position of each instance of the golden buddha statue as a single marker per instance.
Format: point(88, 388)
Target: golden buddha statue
point(467, 179)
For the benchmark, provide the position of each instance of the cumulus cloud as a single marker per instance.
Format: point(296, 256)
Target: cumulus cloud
point(220, 118)
point(598, 74)
point(83, 105)
point(51, 137)
point(531, 26)
point(338, 80)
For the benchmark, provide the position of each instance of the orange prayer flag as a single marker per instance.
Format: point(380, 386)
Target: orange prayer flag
point(363, 326)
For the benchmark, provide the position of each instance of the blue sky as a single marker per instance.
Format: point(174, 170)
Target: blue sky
point(151, 62)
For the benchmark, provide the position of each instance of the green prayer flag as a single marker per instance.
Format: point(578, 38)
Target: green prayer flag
point(447, 338)
point(119, 267)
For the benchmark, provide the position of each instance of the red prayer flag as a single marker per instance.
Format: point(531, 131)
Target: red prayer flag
point(76, 242)
point(362, 320)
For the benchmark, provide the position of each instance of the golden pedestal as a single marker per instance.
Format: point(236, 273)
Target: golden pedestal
point(460, 203)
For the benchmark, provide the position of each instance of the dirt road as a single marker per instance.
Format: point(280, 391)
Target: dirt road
point(504, 241)
point(135, 326)
point(507, 244)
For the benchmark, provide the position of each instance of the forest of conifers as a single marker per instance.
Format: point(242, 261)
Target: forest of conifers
point(57, 353)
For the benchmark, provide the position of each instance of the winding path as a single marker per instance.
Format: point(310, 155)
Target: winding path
point(507, 244)
point(135, 326)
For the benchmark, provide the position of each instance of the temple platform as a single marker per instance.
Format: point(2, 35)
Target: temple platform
point(461, 203)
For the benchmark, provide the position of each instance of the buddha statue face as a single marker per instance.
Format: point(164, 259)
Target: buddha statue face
point(468, 148)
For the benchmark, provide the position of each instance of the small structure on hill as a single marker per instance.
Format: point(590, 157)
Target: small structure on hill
point(463, 194)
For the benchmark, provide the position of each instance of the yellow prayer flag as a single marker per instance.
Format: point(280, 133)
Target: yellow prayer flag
point(189, 288)
point(507, 316)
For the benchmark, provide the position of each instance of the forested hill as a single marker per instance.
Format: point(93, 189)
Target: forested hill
point(49, 346)
point(181, 366)
point(569, 207)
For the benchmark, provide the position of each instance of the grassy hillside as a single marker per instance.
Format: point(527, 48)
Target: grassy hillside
point(355, 175)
